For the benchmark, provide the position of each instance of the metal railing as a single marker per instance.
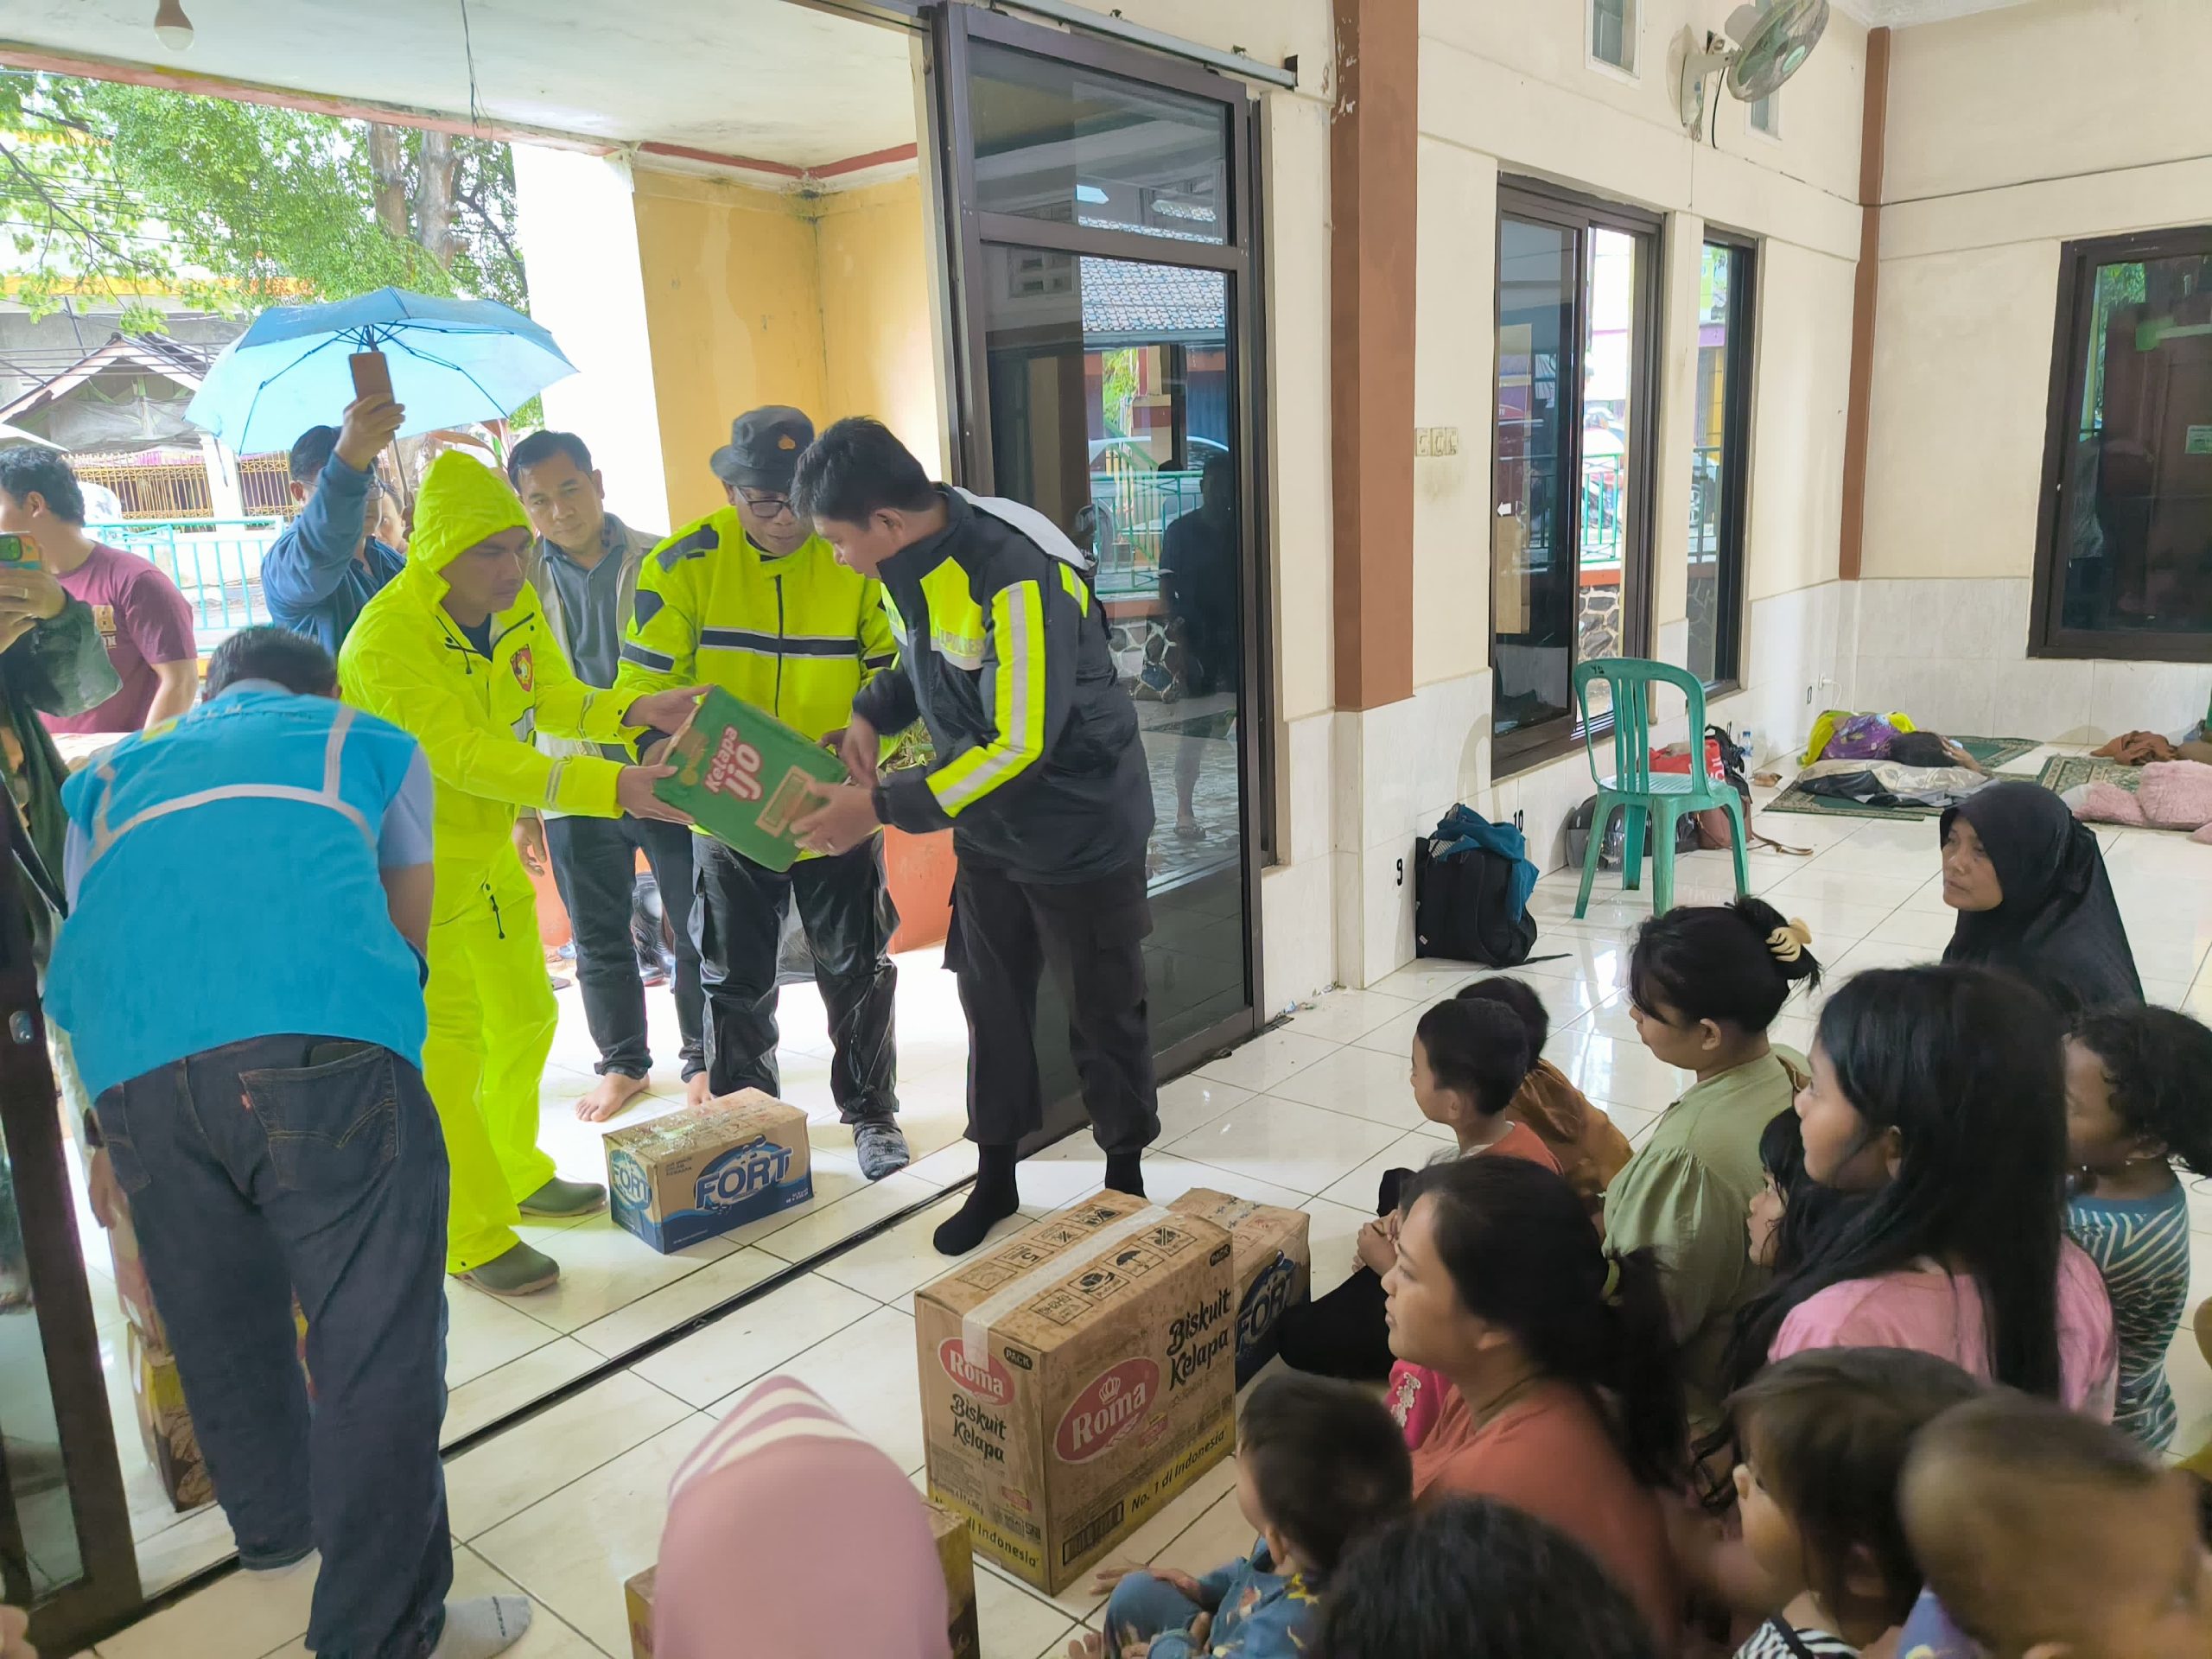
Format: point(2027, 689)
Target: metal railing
point(215, 563)
point(1132, 510)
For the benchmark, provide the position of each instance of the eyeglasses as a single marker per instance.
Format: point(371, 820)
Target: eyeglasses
point(769, 506)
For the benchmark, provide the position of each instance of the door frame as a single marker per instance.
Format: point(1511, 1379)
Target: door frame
point(1539, 201)
point(107, 1591)
point(967, 230)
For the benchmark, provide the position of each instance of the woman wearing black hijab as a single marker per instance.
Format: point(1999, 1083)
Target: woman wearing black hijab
point(2029, 884)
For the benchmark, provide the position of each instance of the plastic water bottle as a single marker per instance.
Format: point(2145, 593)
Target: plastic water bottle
point(1743, 742)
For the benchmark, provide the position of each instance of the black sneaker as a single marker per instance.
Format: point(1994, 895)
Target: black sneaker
point(882, 1149)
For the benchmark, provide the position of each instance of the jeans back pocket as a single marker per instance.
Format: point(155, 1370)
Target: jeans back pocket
point(332, 1128)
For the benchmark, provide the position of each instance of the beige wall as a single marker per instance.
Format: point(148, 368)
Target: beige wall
point(879, 349)
point(759, 296)
point(2010, 133)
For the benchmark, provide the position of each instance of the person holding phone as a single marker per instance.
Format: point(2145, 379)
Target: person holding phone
point(328, 564)
point(144, 622)
point(458, 651)
point(333, 1179)
point(52, 661)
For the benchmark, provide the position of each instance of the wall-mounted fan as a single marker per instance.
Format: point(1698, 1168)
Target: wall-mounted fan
point(1765, 45)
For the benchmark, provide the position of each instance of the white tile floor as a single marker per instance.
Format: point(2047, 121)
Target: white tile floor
point(570, 1505)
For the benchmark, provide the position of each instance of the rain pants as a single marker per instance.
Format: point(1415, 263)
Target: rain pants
point(492, 1013)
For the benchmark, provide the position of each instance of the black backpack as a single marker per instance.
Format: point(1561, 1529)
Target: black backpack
point(1463, 908)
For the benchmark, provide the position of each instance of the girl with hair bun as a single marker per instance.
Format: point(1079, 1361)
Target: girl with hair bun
point(1705, 982)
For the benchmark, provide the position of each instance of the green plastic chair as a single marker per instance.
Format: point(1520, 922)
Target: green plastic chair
point(1648, 798)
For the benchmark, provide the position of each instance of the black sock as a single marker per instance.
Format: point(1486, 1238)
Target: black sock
point(991, 1200)
point(1123, 1173)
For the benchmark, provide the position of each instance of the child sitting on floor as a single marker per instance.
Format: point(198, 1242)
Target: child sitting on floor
point(2044, 1535)
point(1590, 1149)
point(1790, 1215)
point(1470, 1057)
point(1705, 983)
point(1319, 1465)
point(2138, 1100)
point(1823, 1438)
point(1466, 1577)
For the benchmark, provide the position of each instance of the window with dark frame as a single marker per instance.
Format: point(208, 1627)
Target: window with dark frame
point(1571, 534)
point(1721, 419)
point(2123, 542)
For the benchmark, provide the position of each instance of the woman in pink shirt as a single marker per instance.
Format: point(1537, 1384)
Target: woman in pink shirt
point(1940, 1094)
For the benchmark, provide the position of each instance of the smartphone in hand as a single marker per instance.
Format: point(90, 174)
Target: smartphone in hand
point(17, 550)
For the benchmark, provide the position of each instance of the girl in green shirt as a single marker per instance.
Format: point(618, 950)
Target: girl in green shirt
point(1705, 982)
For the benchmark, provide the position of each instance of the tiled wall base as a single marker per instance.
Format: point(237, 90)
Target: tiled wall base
point(1952, 654)
point(1360, 788)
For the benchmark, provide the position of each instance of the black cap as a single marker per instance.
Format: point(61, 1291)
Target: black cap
point(764, 447)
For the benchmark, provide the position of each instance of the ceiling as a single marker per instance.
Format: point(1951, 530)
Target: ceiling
point(763, 79)
point(1901, 14)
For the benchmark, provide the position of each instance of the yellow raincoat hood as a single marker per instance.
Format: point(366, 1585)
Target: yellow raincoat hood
point(462, 502)
point(474, 713)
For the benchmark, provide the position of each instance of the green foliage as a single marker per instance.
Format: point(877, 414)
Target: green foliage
point(123, 191)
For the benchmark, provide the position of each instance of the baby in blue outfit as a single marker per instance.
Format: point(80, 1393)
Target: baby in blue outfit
point(1318, 1464)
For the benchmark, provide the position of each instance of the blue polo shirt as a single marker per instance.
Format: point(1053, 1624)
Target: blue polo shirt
point(256, 828)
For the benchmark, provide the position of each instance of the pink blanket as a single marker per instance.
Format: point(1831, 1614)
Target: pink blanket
point(2174, 794)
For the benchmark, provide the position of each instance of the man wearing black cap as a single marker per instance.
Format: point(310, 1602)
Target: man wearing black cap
point(750, 599)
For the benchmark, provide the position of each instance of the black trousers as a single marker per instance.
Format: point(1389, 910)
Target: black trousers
point(594, 866)
point(1343, 1334)
point(1005, 933)
point(737, 918)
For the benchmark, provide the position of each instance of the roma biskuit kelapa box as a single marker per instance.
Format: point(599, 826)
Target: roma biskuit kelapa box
point(1078, 1377)
point(698, 1172)
point(1273, 1262)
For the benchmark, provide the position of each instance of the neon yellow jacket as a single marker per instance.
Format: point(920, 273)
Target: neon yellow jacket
point(796, 635)
point(408, 661)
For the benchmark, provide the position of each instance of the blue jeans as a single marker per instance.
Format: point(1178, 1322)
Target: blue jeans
point(311, 1164)
point(1142, 1607)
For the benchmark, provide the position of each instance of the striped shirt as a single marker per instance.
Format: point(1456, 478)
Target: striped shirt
point(2141, 1247)
point(1778, 1639)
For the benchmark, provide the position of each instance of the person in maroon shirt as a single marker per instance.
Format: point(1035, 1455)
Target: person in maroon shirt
point(144, 622)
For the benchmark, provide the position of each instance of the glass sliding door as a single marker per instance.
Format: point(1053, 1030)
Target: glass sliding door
point(1570, 541)
point(1102, 257)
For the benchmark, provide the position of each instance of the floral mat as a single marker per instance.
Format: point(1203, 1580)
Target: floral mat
point(1992, 751)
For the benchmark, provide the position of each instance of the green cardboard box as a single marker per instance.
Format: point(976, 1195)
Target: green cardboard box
point(742, 775)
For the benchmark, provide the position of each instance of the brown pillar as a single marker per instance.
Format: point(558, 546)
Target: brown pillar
point(1373, 143)
point(1866, 288)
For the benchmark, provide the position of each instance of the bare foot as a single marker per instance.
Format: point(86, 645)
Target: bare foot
point(609, 1097)
point(695, 1090)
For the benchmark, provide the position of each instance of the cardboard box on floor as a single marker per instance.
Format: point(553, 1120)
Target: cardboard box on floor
point(1273, 1263)
point(954, 1559)
point(164, 1423)
point(698, 1172)
point(165, 1426)
point(1076, 1378)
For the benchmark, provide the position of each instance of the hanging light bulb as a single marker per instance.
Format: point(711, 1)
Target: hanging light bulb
point(173, 26)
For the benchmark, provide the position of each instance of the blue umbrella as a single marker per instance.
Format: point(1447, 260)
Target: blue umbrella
point(452, 361)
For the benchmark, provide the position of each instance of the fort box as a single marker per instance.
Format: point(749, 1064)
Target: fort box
point(698, 1172)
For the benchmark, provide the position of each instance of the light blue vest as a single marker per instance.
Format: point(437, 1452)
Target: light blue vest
point(232, 889)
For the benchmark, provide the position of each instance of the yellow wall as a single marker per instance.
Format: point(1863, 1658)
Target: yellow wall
point(879, 350)
point(756, 297)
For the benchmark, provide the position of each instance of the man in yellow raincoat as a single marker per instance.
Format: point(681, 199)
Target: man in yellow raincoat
point(457, 652)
